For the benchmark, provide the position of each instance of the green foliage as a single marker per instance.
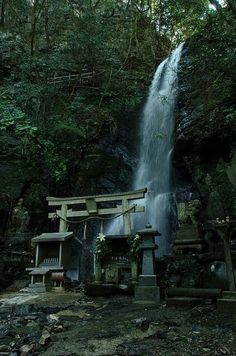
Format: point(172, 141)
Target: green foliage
point(14, 122)
point(70, 70)
point(134, 243)
point(102, 247)
point(9, 115)
point(226, 191)
point(213, 80)
point(180, 18)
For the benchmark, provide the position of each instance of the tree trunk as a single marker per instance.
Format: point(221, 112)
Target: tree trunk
point(2, 12)
point(46, 28)
point(34, 19)
point(33, 27)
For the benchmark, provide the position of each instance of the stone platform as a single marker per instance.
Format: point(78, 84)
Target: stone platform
point(147, 293)
point(37, 288)
point(183, 301)
point(227, 304)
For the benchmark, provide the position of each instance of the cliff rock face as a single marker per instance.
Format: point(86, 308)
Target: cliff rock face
point(205, 149)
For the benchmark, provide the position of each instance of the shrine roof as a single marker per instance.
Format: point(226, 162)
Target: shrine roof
point(53, 236)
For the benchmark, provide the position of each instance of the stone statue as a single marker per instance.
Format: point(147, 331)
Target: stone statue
point(20, 218)
point(188, 213)
point(194, 210)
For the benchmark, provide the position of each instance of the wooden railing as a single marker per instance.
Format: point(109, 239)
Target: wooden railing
point(81, 78)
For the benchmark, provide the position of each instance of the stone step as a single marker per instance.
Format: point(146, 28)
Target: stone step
point(226, 305)
point(183, 301)
point(228, 294)
point(37, 288)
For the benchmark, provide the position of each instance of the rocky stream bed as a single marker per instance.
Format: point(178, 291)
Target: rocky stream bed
point(73, 324)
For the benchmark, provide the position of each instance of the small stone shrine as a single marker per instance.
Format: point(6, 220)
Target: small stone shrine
point(118, 265)
point(52, 256)
point(189, 235)
point(147, 290)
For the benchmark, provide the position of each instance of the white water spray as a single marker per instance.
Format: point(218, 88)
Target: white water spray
point(154, 169)
point(157, 139)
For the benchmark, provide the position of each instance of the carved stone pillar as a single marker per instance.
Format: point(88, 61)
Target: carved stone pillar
point(147, 290)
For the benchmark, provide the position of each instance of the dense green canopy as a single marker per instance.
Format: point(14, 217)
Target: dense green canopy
point(70, 70)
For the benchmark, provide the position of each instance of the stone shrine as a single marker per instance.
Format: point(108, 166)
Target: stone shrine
point(52, 255)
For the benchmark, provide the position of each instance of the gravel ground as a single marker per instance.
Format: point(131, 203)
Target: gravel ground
point(74, 324)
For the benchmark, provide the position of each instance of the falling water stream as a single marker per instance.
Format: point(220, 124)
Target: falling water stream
point(156, 146)
point(157, 139)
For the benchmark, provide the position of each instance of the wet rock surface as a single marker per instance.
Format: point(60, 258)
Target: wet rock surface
point(74, 324)
point(205, 131)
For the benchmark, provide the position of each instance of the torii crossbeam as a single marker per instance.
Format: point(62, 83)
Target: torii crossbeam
point(93, 206)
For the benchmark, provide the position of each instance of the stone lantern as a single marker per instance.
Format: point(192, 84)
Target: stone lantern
point(147, 290)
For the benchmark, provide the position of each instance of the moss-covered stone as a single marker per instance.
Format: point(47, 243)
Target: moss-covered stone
point(205, 117)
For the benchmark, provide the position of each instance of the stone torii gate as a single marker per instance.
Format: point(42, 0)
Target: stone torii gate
point(93, 206)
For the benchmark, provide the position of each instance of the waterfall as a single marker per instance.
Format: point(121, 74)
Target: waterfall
point(156, 146)
point(157, 139)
